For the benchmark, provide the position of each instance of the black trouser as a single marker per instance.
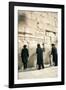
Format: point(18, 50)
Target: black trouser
point(24, 61)
point(40, 65)
point(55, 60)
point(25, 65)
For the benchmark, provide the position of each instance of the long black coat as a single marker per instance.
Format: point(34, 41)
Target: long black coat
point(24, 55)
point(39, 52)
point(54, 53)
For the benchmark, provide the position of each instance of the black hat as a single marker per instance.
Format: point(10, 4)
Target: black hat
point(38, 45)
point(53, 44)
point(25, 46)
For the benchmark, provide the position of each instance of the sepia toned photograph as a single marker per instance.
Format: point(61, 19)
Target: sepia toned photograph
point(37, 44)
point(36, 32)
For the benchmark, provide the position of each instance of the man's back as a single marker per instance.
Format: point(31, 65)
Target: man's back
point(24, 52)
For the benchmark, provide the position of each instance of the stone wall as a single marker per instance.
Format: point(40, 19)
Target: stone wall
point(34, 28)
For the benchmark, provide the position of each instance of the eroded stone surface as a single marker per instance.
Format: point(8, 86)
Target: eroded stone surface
point(34, 28)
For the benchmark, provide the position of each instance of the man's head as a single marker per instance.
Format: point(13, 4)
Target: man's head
point(25, 46)
point(38, 45)
point(53, 45)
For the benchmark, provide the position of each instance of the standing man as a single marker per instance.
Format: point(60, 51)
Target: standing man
point(39, 52)
point(24, 56)
point(54, 54)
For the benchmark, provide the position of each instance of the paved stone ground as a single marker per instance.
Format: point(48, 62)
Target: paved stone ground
point(47, 72)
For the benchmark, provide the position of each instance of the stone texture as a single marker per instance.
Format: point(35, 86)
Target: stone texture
point(37, 27)
point(51, 72)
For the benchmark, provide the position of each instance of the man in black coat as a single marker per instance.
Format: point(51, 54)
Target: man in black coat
point(24, 56)
point(54, 53)
point(39, 52)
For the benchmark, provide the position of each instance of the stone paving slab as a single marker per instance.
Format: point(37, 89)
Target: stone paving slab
point(49, 72)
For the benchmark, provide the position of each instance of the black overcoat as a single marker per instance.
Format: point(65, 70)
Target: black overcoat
point(24, 55)
point(54, 53)
point(39, 52)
